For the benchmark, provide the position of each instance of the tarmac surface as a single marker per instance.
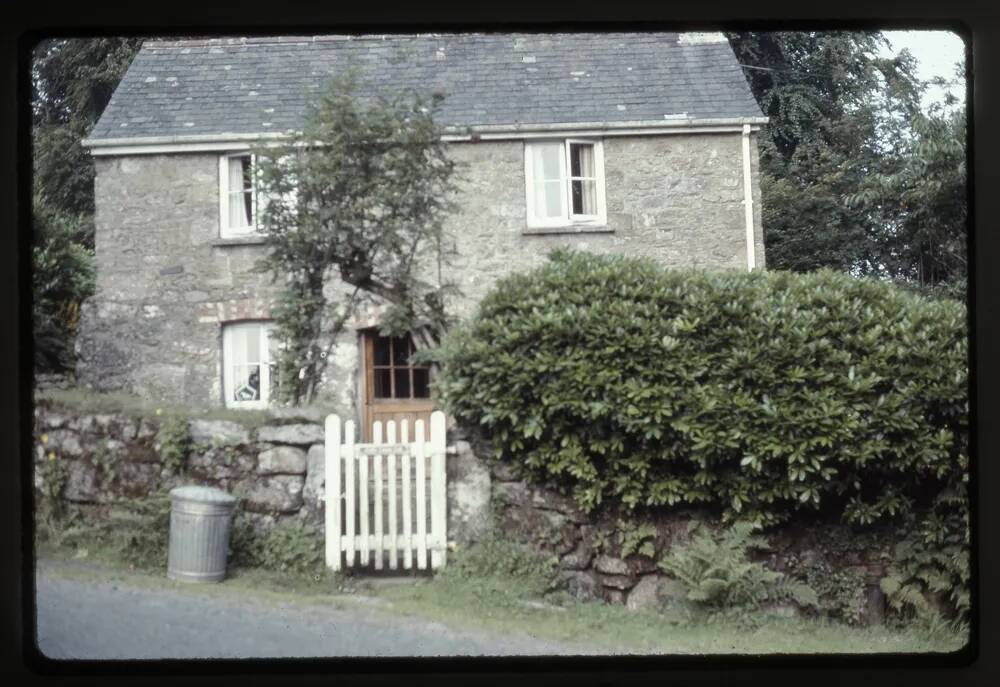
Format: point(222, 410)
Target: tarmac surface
point(111, 619)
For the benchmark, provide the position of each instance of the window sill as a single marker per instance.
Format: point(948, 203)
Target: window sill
point(248, 240)
point(571, 229)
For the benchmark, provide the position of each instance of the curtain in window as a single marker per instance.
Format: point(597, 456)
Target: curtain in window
point(583, 178)
point(240, 192)
point(249, 352)
point(246, 362)
point(547, 171)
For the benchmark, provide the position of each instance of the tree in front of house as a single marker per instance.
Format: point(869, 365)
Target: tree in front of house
point(71, 81)
point(360, 195)
point(854, 176)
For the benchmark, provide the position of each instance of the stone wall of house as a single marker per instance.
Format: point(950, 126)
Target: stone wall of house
point(166, 282)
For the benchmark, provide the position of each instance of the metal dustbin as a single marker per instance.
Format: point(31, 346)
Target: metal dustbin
point(199, 533)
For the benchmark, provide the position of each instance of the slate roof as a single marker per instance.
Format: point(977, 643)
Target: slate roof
point(259, 85)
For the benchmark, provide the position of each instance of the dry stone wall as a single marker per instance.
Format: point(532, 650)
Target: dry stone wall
point(593, 566)
point(112, 455)
point(276, 468)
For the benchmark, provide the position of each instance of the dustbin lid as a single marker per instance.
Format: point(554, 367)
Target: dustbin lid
point(202, 495)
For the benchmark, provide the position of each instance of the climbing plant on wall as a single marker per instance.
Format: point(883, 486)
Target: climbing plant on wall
point(358, 199)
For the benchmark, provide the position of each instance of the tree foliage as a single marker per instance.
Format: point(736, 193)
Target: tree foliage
point(760, 395)
point(924, 199)
point(62, 276)
point(359, 196)
point(72, 81)
point(841, 155)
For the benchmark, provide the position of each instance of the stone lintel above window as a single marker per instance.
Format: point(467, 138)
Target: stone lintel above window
point(235, 310)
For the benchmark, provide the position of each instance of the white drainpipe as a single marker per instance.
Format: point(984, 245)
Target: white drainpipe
point(748, 198)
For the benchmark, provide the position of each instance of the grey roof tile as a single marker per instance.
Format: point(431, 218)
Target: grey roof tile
point(220, 86)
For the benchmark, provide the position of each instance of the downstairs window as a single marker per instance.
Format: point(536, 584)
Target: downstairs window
point(248, 358)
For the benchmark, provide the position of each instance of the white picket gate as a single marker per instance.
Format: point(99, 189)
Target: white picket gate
point(378, 504)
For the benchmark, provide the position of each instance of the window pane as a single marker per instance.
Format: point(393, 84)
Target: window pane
point(584, 197)
point(381, 350)
point(421, 382)
point(240, 192)
point(238, 216)
point(248, 208)
point(581, 159)
point(382, 389)
point(548, 199)
point(236, 165)
point(238, 349)
point(246, 382)
point(252, 335)
point(272, 392)
point(402, 382)
point(401, 350)
point(272, 345)
point(547, 160)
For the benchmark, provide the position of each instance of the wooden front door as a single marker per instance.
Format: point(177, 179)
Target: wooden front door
point(394, 388)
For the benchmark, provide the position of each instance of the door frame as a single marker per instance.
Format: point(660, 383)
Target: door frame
point(391, 405)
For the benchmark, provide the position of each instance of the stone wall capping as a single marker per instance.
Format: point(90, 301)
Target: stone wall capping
point(218, 432)
point(302, 434)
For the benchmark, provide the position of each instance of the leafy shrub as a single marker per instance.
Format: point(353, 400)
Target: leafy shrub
point(174, 438)
point(501, 568)
point(840, 592)
point(716, 572)
point(141, 531)
point(758, 394)
point(293, 548)
point(244, 540)
point(62, 277)
point(54, 478)
point(135, 531)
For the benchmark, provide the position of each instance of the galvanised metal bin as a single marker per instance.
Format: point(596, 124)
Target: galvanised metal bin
point(199, 533)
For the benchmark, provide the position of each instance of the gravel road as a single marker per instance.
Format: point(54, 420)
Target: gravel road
point(111, 619)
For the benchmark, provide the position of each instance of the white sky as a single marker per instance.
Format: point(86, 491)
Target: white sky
point(936, 53)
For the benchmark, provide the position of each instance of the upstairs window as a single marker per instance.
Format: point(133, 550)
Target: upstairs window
point(237, 195)
point(565, 183)
point(249, 358)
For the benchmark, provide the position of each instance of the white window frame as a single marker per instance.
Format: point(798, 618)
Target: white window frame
point(225, 230)
point(568, 218)
point(266, 327)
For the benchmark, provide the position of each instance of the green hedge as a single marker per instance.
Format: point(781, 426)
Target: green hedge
point(759, 393)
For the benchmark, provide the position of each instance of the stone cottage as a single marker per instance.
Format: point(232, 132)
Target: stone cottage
point(644, 144)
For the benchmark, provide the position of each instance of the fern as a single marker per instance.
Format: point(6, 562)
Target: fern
point(932, 558)
point(716, 572)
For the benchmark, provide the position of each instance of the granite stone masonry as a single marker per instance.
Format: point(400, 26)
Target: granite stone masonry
point(275, 466)
point(673, 123)
point(166, 284)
